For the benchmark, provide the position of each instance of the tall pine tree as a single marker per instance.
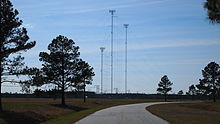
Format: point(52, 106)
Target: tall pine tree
point(13, 39)
point(164, 86)
point(62, 66)
point(210, 84)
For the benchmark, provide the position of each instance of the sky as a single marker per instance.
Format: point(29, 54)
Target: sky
point(165, 37)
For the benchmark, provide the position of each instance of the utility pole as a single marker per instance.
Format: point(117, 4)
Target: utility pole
point(126, 61)
point(102, 50)
point(112, 13)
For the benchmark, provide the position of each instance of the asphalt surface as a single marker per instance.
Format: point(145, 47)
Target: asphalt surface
point(124, 114)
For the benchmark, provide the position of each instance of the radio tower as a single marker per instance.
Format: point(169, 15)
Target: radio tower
point(126, 61)
point(102, 49)
point(112, 13)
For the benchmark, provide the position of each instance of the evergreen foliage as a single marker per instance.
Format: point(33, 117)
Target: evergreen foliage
point(13, 41)
point(164, 86)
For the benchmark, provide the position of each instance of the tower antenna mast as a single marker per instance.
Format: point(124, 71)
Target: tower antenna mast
point(112, 13)
point(102, 50)
point(126, 60)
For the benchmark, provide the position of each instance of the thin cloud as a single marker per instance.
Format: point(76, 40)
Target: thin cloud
point(70, 10)
point(166, 44)
point(153, 45)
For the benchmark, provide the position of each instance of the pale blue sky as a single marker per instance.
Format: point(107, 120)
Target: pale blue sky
point(170, 37)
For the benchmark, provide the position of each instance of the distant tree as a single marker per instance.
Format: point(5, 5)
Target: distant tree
point(213, 7)
point(63, 67)
point(210, 84)
point(192, 91)
point(164, 86)
point(13, 40)
point(180, 93)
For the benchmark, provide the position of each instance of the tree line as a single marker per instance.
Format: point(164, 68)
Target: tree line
point(208, 85)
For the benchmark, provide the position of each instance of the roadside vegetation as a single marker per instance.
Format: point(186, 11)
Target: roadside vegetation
point(49, 111)
point(198, 112)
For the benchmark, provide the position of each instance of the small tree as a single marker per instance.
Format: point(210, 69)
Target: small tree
point(210, 84)
point(84, 75)
point(13, 39)
point(180, 93)
point(63, 67)
point(192, 91)
point(213, 7)
point(164, 86)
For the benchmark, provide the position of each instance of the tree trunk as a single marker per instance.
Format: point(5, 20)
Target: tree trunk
point(180, 97)
point(214, 90)
point(84, 92)
point(63, 78)
point(1, 70)
point(1, 86)
point(214, 96)
point(192, 97)
point(165, 96)
point(63, 96)
point(0, 93)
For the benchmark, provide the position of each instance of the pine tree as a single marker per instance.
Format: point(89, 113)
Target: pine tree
point(84, 75)
point(62, 66)
point(180, 93)
point(213, 7)
point(13, 40)
point(210, 84)
point(164, 86)
point(192, 91)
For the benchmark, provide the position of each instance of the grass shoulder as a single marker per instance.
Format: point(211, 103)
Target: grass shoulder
point(197, 112)
point(49, 111)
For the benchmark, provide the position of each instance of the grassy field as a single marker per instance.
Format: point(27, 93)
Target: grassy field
point(188, 113)
point(49, 111)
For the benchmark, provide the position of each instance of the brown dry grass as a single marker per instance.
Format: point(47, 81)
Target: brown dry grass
point(188, 113)
point(36, 110)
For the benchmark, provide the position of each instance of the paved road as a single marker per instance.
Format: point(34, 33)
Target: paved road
point(124, 114)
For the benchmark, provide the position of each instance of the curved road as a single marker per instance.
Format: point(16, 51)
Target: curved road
point(124, 114)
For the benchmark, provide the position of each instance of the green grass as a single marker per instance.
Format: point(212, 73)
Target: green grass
point(71, 117)
point(188, 113)
point(47, 111)
point(95, 105)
